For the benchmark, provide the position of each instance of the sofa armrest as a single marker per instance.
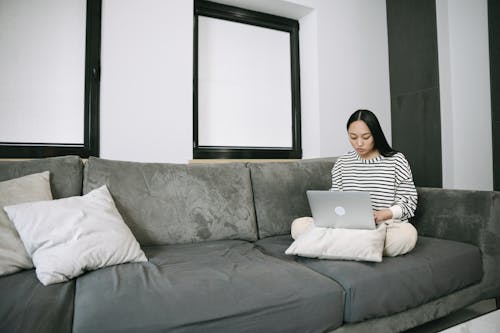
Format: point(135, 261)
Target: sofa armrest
point(467, 216)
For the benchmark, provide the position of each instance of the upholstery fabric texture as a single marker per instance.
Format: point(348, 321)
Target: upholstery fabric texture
point(280, 191)
point(66, 173)
point(35, 187)
point(207, 287)
point(69, 236)
point(220, 285)
point(402, 321)
point(173, 203)
point(433, 269)
point(465, 216)
point(28, 306)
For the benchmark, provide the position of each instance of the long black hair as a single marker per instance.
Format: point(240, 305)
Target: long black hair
point(371, 121)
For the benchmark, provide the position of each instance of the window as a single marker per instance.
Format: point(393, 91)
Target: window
point(50, 74)
point(246, 84)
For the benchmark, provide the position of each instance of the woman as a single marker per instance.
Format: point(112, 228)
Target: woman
point(373, 166)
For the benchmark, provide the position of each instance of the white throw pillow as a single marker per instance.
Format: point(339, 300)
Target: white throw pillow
point(67, 237)
point(343, 244)
point(35, 187)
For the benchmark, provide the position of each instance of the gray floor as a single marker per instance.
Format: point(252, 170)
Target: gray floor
point(456, 318)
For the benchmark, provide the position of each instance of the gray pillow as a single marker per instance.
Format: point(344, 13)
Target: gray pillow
point(36, 187)
point(175, 203)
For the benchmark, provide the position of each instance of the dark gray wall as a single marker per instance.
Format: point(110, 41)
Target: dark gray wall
point(414, 85)
point(494, 34)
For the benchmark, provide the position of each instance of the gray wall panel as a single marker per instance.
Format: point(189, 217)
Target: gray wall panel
point(414, 80)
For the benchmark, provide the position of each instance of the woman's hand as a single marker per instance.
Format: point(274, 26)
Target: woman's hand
point(382, 215)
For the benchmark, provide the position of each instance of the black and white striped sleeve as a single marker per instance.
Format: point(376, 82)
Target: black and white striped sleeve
point(406, 195)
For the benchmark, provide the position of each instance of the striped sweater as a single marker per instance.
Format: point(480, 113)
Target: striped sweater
point(388, 179)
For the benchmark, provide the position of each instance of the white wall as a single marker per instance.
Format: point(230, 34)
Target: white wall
point(146, 88)
point(309, 85)
point(344, 67)
point(465, 94)
point(353, 68)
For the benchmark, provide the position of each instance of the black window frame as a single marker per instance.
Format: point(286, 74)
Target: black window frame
point(90, 145)
point(241, 15)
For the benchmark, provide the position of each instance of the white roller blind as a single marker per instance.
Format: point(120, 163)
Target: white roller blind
point(42, 66)
point(244, 85)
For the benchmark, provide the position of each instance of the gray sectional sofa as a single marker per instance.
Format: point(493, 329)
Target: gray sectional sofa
point(215, 237)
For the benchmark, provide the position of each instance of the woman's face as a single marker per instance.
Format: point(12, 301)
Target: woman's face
point(361, 140)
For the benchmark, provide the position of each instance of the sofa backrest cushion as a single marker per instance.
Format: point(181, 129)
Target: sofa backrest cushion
point(176, 203)
point(66, 173)
point(280, 191)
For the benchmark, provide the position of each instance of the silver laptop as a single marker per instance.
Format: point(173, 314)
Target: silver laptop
point(348, 210)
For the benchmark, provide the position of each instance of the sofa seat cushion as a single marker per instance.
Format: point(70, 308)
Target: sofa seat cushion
point(165, 204)
point(435, 268)
point(217, 286)
point(27, 306)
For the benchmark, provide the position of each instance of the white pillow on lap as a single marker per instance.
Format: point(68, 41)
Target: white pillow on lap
point(35, 187)
point(69, 236)
point(343, 244)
